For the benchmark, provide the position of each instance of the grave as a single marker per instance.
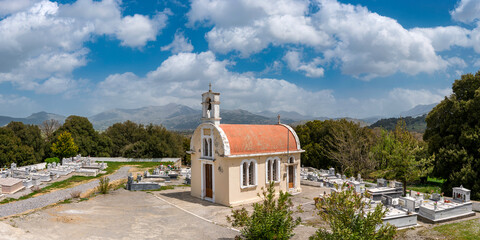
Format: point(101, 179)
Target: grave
point(11, 185)
point(138, 186)
point(435, 211)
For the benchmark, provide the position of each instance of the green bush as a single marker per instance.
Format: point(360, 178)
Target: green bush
point(269, 220)
point(350, 218)
point(52, 160)
point(104, 185)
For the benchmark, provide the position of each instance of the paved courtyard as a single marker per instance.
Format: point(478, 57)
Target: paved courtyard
point(170, 214)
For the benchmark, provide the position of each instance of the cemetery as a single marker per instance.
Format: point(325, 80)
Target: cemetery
point(403, 211)
point(15, 179)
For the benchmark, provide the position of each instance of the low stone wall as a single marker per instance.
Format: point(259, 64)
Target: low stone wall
point(176, 161)
point(311, 183)
point(476, 206)
point(142, 186)
point(402, 221)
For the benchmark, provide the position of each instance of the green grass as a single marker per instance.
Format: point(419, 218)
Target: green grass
point(112, 167)
point(434, 184)
point(425, 188)
point(66, 201)
point(465, 230)
point(435, 180)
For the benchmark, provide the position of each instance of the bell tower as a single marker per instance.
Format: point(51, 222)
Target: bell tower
point(211, 106)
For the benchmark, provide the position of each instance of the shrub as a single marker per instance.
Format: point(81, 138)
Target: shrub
point(52, 159)
point(104, 185)
point(349, 217)
point(269, 220)
point(35, 189)
point(75, 194)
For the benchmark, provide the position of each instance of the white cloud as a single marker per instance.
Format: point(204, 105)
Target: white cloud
point(443, 38)
point(249, 26)
point(311, 69)
point(179, 44)
point(12, 6)
point(363, 44)
point(184, 76)
point(466, 11)
point(456, 62)
point(106, 18)
point(14, 105)
point(391, 104)
point(55, 85)
point(42, 43)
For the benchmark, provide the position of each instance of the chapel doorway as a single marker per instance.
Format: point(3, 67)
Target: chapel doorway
point(290, 176)
point(208, 180)
point(291, 173)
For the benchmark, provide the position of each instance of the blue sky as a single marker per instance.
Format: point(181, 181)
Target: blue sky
point(334, 58)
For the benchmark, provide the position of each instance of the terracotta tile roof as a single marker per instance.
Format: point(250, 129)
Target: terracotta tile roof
point(250, 139)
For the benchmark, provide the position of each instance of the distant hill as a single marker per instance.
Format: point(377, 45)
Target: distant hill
point(176, 117)
point(416, 124)
point(418, 110)
point(182, 118)
point(291, 115)
point(35, 119)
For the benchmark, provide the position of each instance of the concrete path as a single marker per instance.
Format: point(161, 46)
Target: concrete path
point(21, 206)
point(120, 214)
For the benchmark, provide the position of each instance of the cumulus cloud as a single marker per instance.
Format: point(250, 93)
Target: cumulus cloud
point(9, 7)
point(106, 18)
point(249, 26)
point(179, 44)
point(42, 42)
point(311, 69)
point(466, 11)
point(183, 77)
point(362, 43)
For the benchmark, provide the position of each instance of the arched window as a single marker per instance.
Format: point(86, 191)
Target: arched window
point(272, 170)
point(205, 147)
point(244, 174)
point(291, 160)
point(276, 170)
point(210, 152)
point(269, 171)
point(251, 174)
point(248, 171)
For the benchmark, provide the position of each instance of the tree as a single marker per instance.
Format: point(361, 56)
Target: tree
point(85, 137)
point(400, 156)
point(65, 146)
point(453, 136)
point(350, 146)
point(349, 217)
point(30, 137)
point(134, 140)
point(13, 151)
point(48, 127)
point(269, 220)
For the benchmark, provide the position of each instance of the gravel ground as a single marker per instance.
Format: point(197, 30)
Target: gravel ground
point(18, 207)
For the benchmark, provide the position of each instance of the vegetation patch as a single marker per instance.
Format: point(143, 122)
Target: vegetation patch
point(466, 230)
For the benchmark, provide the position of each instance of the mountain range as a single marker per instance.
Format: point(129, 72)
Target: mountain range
point(179, 117)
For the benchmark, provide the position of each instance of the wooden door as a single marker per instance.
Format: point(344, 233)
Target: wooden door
point(291, 175)
point(208, 181)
